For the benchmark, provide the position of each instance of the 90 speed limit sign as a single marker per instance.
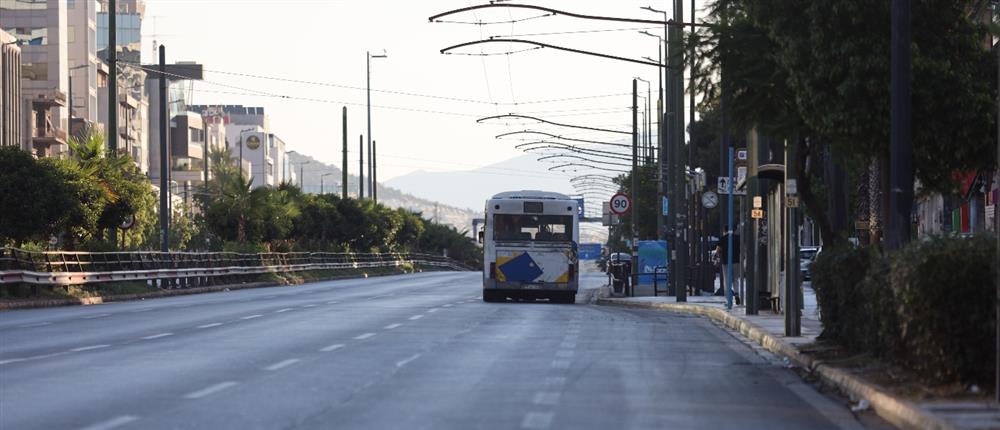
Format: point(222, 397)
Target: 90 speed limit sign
point(620, 204)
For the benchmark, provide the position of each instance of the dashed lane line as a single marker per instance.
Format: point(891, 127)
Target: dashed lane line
point(112, 423)
point(250, 317)
point(537, 420)
point(40, 324)
point(210, 325)
point(157, 336)
point(560, 364)
point(283, 310)
point(430, 311)
point(282, 364)
point(447, 305)
point(333, 347)
point(392, 326)
point(332, 302)
point(89, 348)
point(311, 305)
point(210, 390)
point(546, 398)
point(12, 360)
point(416, 317)
point(364, 336)
point(406, 361)
point(94, 317)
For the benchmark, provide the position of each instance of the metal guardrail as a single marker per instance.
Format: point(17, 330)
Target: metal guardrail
point(73, 268)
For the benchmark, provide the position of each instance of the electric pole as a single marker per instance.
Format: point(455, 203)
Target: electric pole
point(361, 167)
point(343, 163)
point(113, 78)
point(900, 144)
point(164, 156)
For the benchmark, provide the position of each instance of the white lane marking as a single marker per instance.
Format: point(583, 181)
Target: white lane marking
point(157, 336)
point(210, 325)
point(94, 317)
point(282, 364)
point(392, 326)
point(332, 302)
point(142, 310)
point(560, 364)
point(447, 305)
point(332, 347)
point(364, 336)
point(402, 363)
point(565, 354)
point(112, 423)
point(416, 317)
point(88, 348)
point(430, 311)
point(555, 381)
point(537, 420)
point(250, 317)
point(210, 390)
point(12, 360)
point(283, 310)
point(41, 324)
point(310, 305)
point(39, 357)
point(547, 398)
point(568, 345)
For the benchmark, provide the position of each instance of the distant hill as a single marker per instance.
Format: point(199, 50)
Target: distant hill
point(470, 188)
point(460, 218)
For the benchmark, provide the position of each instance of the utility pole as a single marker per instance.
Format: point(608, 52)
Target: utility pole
point(374, 172)
point(900, 143)
point(793, 315)
point(996, 232)
point(164, 155)
point(113, 78)
point(634, 218)
point(343, 163)
point(361, 167)
point(680, 171)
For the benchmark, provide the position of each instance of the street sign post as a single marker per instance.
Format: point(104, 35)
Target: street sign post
point(620, 204)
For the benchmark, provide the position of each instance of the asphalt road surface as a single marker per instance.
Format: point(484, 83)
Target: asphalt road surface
point(401, 352)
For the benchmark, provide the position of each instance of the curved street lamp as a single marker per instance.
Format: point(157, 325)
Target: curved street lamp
point(576, 157)
point(554, 136)
point(544, 121)
point(587, 166)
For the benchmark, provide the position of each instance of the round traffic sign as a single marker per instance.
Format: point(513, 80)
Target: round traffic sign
point(620, 204)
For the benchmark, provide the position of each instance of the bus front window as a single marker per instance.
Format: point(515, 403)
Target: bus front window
point(532, 228)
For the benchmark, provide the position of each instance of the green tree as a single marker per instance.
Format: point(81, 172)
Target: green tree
point(34, 198)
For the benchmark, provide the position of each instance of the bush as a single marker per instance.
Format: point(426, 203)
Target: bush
point(929, 307)
point(946, 291)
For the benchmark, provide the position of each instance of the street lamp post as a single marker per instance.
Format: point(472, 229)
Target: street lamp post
point(321, 184)
point(302, 178)
point(368, 90)
point(241, 152)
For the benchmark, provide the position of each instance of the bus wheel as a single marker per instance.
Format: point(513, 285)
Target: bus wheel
point(490, 296)
point(568, 297)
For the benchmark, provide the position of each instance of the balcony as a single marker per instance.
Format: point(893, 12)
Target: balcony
point(48, 136)
point(50, 99)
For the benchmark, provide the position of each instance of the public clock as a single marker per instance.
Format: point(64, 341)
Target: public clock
point(709, 200)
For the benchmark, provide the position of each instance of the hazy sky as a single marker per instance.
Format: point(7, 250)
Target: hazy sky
point(433, 126)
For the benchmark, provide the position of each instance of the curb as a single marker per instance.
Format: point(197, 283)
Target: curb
point(898, 412)
point(51, 303)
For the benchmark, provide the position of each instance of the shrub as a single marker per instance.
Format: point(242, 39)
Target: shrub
point(929, 306)
point(947, 321)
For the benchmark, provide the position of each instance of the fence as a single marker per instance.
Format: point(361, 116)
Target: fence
point(73, 268)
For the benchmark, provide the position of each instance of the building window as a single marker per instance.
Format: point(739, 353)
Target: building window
point(35, 71)
point(32, 36)
point(22, 4)
point(71, 34)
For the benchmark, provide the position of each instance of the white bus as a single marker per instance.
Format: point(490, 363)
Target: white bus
point(530, 247)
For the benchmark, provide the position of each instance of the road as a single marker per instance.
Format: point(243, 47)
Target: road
point(410, 352)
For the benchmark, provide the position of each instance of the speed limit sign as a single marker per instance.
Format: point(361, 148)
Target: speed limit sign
point(620, 204)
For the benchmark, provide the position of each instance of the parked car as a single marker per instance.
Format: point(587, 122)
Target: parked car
point(807, 254)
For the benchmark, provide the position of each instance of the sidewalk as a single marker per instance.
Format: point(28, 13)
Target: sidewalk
point(768, 330)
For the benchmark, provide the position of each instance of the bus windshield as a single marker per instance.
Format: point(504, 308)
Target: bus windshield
point(532, 228)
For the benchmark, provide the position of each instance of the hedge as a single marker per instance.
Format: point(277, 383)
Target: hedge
point(928, 307)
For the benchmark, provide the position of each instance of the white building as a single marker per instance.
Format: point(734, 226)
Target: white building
point(249, 139)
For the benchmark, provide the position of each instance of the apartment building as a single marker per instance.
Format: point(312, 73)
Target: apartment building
point(41, 28)
point(10, 90)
